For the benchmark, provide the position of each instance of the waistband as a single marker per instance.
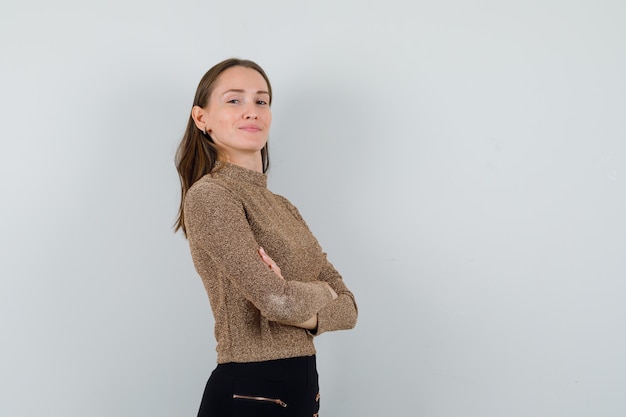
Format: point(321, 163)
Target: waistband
point(276, 368)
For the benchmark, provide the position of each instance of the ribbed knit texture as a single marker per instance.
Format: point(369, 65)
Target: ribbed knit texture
point(229, 214)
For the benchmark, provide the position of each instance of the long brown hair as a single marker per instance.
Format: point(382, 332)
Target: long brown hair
point(196, 155)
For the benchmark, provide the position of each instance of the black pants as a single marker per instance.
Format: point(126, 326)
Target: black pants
point(277, 388)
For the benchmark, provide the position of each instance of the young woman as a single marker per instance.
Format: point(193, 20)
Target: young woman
point(269, 283)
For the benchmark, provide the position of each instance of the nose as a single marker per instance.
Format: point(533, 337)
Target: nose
point(249, 115)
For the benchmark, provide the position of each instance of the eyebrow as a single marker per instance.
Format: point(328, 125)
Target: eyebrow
point(237, 90)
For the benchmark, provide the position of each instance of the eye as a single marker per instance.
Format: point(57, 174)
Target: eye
point(233, 101)
point(261, 102)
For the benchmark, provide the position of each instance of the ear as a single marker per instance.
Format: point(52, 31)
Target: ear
point(199, 116)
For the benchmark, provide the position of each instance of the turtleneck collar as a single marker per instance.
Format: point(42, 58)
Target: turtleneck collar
point(240, 173)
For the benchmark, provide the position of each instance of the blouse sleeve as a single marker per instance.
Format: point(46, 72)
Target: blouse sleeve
point(341, 313)
point(216, 224)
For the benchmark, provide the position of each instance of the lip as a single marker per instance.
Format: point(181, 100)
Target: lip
point(250, 128)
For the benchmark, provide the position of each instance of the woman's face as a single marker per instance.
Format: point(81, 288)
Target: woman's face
point(238, 116)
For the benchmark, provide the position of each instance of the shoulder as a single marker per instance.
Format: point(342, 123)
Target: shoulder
point(209, 203)
point(208, 190)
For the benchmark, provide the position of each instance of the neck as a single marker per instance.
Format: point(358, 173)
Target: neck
point(252, 162)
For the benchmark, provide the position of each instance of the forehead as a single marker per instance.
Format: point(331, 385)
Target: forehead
point(240, 78)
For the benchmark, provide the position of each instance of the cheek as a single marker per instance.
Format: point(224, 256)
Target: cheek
point(222, 122)
point(223, 117)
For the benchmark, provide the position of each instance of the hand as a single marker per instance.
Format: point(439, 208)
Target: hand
point(332, 292)
point(270, 262)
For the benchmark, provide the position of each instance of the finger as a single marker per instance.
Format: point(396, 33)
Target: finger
point(264, 256)
point(267, 262)
point(332, 292)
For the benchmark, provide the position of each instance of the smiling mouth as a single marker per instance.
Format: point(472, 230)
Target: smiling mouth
point(251, 128)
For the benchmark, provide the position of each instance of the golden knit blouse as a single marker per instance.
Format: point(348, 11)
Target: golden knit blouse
point(229, 214)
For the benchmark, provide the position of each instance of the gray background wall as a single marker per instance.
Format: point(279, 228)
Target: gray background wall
point(462, 162)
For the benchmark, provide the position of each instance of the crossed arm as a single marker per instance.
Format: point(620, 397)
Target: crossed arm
point(311, 323)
